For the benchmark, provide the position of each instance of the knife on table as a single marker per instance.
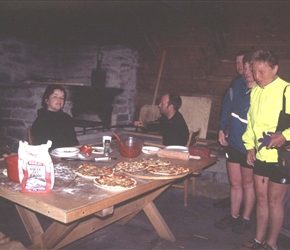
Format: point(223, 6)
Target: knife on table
point(98, 159)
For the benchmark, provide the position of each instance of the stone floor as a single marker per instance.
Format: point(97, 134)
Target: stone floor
point(192, 227)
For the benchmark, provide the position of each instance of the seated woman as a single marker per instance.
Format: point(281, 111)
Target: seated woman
point(51, 122)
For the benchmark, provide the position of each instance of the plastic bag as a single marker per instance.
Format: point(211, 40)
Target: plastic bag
point(35, 168)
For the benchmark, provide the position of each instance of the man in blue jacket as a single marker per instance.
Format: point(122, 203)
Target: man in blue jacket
point(225, 109)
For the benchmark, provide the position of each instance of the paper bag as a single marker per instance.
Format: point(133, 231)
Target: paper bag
point(36, 172)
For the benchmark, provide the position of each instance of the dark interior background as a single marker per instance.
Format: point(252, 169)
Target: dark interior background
point(201, 38)
point(129, 22)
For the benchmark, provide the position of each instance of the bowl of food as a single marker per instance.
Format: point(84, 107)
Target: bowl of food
point(130, 147)
point(11, 162)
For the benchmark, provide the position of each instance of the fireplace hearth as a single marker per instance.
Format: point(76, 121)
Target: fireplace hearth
point(92, 106)
point(102, 105)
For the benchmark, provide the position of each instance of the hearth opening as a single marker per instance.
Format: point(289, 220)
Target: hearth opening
point(93, 106)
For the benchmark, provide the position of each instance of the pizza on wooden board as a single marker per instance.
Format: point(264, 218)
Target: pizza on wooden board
point(115, 182)
point(89, 170)
point(168, 170)
point(130, 167)
point(143, 164)
point(155, 162)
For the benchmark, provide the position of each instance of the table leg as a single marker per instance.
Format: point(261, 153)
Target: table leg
point(158, 222)
point(40, 239)
point(93, 224)
point(58, 234)
point(123, 214)
point(31, 224)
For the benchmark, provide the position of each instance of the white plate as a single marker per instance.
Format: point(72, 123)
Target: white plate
point(65, 152)
point(99, 150)
point(150, 150)
point(177, 148)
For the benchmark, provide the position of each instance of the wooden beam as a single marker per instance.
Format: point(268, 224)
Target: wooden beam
point(59, 83)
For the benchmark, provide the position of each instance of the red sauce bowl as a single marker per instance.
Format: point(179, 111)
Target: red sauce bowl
point(130, 147)
point(11, 162)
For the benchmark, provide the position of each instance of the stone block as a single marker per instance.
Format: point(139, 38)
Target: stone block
point(5, 112)
point(12, 123)
point(16, 93)
point(24, 114)
point(16, 103)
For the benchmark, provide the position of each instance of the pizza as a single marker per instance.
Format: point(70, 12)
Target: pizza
point(89, 170)
point(143, 164)
point(115, 182)
point(155, 162)
point(130, 167)
point(168, 170)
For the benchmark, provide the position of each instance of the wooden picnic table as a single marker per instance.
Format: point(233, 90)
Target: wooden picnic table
point(78, 208)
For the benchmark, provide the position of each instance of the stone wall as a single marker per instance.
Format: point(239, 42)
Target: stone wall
point(21, 62)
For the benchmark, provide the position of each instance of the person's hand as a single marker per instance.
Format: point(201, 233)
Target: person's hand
point(222, 138)
point(277, 140)
point(139, 124)
point(251, 157)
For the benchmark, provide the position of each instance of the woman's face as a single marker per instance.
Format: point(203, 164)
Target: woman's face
point(55, 102)
point(263, 73)
point(248, 74)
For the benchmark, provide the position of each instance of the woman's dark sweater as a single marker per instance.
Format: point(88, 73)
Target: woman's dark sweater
point(55, 126)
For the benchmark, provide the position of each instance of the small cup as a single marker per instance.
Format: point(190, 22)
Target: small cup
point(106, 137)
point(11, 162)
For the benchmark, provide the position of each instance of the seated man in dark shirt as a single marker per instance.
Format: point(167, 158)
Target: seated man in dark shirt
point(171, 124)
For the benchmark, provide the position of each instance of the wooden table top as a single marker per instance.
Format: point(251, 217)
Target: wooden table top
point(72, 199)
